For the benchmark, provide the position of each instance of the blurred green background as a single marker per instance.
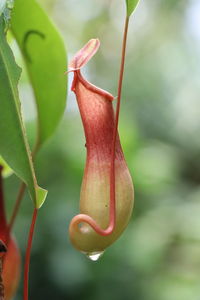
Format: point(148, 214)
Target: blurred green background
point(158, 256)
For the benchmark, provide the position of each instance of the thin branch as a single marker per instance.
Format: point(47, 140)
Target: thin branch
point(112, 168)
point(28, 254)
point(20, 194)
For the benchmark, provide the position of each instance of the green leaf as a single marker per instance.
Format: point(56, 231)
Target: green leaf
point(6, 7)
point(13, 143)
point(45, 57)
point(131, 5)
point(2, 6)
point(7, 171)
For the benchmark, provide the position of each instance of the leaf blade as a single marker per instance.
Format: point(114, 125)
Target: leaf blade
point(45, 57)
point(14, 147)
point(7, 171)
point(131, 5)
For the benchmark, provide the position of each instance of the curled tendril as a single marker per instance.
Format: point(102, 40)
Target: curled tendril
point(82, 218)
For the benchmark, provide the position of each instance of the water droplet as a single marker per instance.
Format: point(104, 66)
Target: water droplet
point(94, 256)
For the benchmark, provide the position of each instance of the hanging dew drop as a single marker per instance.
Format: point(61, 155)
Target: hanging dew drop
point(94, 256)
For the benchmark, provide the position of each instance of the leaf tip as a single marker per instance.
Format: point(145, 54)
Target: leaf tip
point(131, 6)
point(41, 195)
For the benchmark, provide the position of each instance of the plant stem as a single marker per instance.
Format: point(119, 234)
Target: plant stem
point(20, 194)
point(17, 205)
point(31, 232)
point(30, 238)
point(28, 254)
point(112, 166)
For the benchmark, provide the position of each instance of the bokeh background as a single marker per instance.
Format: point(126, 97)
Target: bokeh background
point(158, 256)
